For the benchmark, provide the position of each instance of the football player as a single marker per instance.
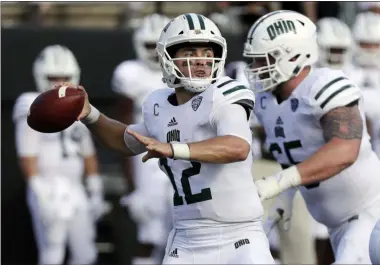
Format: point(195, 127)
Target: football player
point(53, 165)
point(314, 123)
point(133, 80)
point(199, 130)
point(366, 70)
point(374, 244)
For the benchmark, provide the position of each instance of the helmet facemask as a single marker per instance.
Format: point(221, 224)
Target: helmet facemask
point(265, 72)
point(193, 73)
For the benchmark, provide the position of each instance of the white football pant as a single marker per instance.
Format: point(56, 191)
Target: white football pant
point(244, 243)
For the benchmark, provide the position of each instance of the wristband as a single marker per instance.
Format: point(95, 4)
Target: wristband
point(180, 151)
point(289, 177)
point(92, 117)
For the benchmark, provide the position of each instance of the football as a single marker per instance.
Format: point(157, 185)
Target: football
point(56, 109)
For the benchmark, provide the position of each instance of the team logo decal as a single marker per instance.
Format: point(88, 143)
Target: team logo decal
point(196, 103)
point(294, 104)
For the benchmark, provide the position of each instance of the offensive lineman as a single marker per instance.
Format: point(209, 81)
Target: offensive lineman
point(315, 128)
point(200, 131)
point(134, 80)
point(53, 165)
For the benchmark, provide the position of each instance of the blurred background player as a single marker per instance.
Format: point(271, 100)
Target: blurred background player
point(366, 70)
point(133, 80)
point(335, 43)
point(53, 165)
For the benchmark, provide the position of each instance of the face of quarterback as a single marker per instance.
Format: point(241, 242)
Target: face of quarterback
point(193, 61)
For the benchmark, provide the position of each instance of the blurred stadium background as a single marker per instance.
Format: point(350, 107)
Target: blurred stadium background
point(99, 34)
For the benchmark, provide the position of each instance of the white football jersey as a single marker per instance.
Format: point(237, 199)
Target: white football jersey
point(369, 82)
point(211, 193)
point(59, 154)
point(294, 134)
point(135, 80)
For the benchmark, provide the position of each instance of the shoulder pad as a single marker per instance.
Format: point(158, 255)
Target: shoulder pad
point(233, 91)
point(22, 105)
point(332, 89)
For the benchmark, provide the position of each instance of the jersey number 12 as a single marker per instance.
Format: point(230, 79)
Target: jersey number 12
point(190, 198)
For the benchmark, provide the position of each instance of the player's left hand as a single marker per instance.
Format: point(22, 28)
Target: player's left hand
point(268, 187)
point(271, 186)
point(155, 148)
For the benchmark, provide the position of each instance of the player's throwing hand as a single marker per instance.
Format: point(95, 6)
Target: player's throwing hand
point(155, 148)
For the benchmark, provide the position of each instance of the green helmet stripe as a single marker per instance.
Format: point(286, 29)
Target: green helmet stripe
point(201, 22)
point(190, 21)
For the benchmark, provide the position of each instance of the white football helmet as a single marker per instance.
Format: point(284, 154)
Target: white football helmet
point(334, 41)
point(145, 39)
point(366, 30)
point(193, 29)
point(54, 62)
point(284, 42)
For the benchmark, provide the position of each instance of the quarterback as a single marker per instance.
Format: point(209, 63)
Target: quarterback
point(53, 165)
point(133, 80)
point(314, 122)
point(198, 127)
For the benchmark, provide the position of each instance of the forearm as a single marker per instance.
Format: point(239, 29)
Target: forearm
point(327, 162)
point(220, 150)
point(110, 133)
